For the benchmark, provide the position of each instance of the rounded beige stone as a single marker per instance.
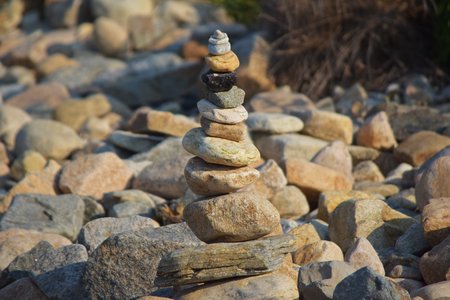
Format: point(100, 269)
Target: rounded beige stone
point(227, 62)
point(210, 180)
point(217, 114)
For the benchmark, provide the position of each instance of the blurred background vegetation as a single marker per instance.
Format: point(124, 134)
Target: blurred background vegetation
point(317, 44)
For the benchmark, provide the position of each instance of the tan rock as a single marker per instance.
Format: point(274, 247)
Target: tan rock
point(376, 132)
point(335, 156)
point(217, 114)
point(385, 190)
point(327, 125)
point(42, 182)
point(433, 183)
point(4, 156)
point(231, 218)
point(436, 220)
point(317, 252)
point(224, 63)
point(55, 63)
point(290, 202)
point(14, 242)
point(146, 120)
point(282, 100)
point(369, 218)
point(74, 113)
point(233, 132)
point(434, 291)
point(309, 233)
point(361, 254)
point(435, 264)
point(313, 179)
point(210, 180)
point(367, 171)
point(12, 119)
point(360, 154)
point(95, 174)
point(110, 38)
point(328, 201)
point(50, 94)
point(29, 162)
point(274, 123)
point(419, 147)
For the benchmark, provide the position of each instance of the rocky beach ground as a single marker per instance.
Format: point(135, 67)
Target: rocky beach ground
point(145, 155)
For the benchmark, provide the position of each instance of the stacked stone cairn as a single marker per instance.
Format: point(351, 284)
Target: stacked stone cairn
point(241, 230)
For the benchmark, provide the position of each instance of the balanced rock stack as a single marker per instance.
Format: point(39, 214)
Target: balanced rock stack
point(222, 166)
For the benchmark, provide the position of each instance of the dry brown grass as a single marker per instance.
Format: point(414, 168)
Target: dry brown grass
point(319, 43)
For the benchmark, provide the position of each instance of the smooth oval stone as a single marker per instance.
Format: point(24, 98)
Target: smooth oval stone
point(232, 132)
point(220, 151)
point(219, 82)
point(219, 49)
point(214, 113)
point(274, 123)
point(228, 99)
point(227, 62)
point(210, 180)
point(234, 217)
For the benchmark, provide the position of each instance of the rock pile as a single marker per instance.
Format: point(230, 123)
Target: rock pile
point(234, 223)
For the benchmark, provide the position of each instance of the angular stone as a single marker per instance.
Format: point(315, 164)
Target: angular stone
point(275, 123)
point(235, 132)
point(435, 264)
point(329, 200)
point(376, 132)
point(369, 218)
point(24, 288)
point(434, 183)
point(219, 82)
point(223, 260)
point(419, 147)
point(335, 156)
point(211, 180)
point(228, 99)
point(309, 233)
point(318, 252)
point(95, 232)
point(361, 254)
point(436, 220)
point(326, 125)
point(220, 151)
point(214, 113)
point(12, 119)
point(284, 146)
point(282, 100)
point(50, 138)
point(146, 120)
point(413, 241)
point(366, 284)
point(51, 214)
point(367, 171)
point(290, 202)
point(313, 179)
point(231, 218)
point(95, 174)
point(136, 253)
point(224, 63)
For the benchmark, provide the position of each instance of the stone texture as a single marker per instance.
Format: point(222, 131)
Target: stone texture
point(220, 151)
point(121, 11)
point(328, 201)
point(317, 252)
point(439, 290)
point(290, 202)
point(413, 241)
point(223, 260)
point(366, 284)
point(12, 119)
point(42, 94)
point(281, 100)
point(228, 99)
point(419, 147)
point(28, 162)
point(217, 114)
point(376, 132)
point(224, 63)
point(435, 264)
point(427, 164)
point(309, 233)
point(146, 120)
point(360, 153)
point(367, 171)
point(362, 254)
point(11, 15)
point(136, 253)
point(407, 272)
point(284, 146)
point(268, 286)
point(380, 188)
point(219, 82)
point(409, 284)
point(313, 179)
point(74, 113)
point(210, 180)
point(54, 63)
point(51, 214)
point(274, 123)
point(50, 138)
point(24, 288)
point(133, 196)
point(218, 43)
point(369, 218)
point(436, 220)
point(228, 219)
point(110, 38)
point(133, 142)
point(433, 183)
point(328, 126)
point(96, 231)
point(335, 156)
point(233, 132)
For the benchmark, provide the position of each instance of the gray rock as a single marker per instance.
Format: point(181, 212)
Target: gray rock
point(131, 196)
point(223, 260)
point(129, 209)
point(133, 142)
point(135, 253)
point(413, 241)
point(366, 284)
point(290, 202)
point(23, 288)
point(51, 214)
point(229, 99)
point(95, 232)
point(54, 259)
point(273, 123)
point(92, 210)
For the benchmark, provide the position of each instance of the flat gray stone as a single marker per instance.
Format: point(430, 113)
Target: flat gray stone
point(274, 123)
point(229, 99)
